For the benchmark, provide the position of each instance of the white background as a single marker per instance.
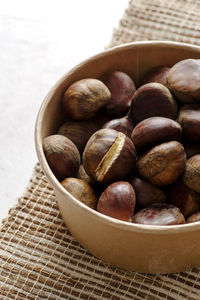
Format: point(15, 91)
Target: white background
point(40, 40)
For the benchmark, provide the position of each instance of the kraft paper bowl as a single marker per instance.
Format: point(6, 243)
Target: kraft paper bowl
point(141, 248)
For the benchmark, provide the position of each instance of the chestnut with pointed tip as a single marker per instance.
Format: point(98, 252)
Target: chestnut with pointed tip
point(152, 100)
point(184, 198)
point(84, 98)
point(81, 190)
point(62, 156)
point(154, 131)
point(191, 176)
point(183, 80)
point(146, 193)
point(122, 124)
point(189, 119)
point(109, 156)
point(122, 89)
point(159, 214)
point(162, 164)
point(118, 201)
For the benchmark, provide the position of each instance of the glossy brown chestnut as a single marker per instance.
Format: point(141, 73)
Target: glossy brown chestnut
point(122, 89)
point(162, 164)
point(84, 98)
point(157, 74)
point(193, 218)
point(154, 131)
point(62, 156)
point(191, 148)
point(78, 132)
point(118, 201)
point(109, 156)
point(152, 100)
point(183, 80)
point(184, 198)
point(81, 190)
point(191, 176)
point(189, 119)
point(146, 193)
point(122, 124)
point(159, 214)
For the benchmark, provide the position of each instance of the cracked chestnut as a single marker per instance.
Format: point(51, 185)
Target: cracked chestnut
point(109, 156)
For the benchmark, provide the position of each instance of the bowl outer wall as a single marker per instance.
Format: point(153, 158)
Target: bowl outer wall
point(149, 249)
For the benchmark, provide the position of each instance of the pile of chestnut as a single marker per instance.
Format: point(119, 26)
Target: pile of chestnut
point(133, 153)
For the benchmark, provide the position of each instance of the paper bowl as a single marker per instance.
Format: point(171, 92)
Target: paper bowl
point(141, 248)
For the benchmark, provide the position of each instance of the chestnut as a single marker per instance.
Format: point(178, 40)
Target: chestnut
point(146, 193)
point(81, 190)
point(183, 80)
point(122, 124)
point(189, 119)
point(122, 89)
point(193, 218)
point(191, 176)
point(155, 130)
point(62, 156)
point(191, 148)
point(156, 74)
point(109, 156)
point(84, 176)
point(162, 164)
point(78, 132)
point(84, 98)
point(159, 214)
point(184, 198)
point(118, 201)
point(152, 100)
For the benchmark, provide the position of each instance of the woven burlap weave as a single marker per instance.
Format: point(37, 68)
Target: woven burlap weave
point(39, 259)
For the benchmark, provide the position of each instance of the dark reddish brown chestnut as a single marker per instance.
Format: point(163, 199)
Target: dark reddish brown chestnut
point(191, 148)
point(183, 80)
point(62, 156)
point(155, 130)
point(193, 218)
point(122, 124)
point(159, 214)
point(162, 164)
point(152, 100)
point(146, 193)
point(84, 98)
point(184, 198)
point(78, 132)
point(191, 176)
point(109, 156)
point(157, 74)
point(81, 190)
point(189, 119)
point(118, 201)
point(122, 89)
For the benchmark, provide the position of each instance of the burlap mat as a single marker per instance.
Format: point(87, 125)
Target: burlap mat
point(39, 258)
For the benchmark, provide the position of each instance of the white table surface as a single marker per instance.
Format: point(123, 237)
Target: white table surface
point(40, 40)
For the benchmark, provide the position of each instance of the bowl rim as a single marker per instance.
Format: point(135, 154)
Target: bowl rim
point(128, 226)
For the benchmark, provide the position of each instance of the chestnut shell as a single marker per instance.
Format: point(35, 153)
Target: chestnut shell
point(109, 156)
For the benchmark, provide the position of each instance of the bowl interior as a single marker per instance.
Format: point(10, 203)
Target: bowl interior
point(134, 59)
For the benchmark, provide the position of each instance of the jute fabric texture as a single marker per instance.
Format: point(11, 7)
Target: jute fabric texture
point(39, 259)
